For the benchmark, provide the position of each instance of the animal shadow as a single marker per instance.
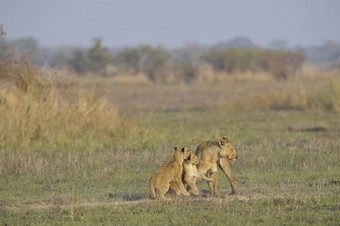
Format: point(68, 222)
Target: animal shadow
point(127, 196)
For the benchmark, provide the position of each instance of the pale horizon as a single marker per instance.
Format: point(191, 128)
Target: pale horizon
point(170, 23)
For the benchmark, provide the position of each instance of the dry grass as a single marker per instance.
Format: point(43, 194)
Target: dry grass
point(121, 79)
point(48, 105)
point(64, 144)
point(321, 95)
point(207, 75)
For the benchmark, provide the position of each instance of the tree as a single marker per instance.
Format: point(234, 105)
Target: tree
point(79, 61)
point(152, 61)
point(4, 47)
point(187, 61)
point(94, 59)
point(28, 47)
point(128, 59)
point(24, 47)
point(98, 56)
point(280, 63)
point(295, 60)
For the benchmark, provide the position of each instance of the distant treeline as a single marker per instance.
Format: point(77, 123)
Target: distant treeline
point(158, 63)
point(280, 63)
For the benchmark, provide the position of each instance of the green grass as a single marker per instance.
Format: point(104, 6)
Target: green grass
point(289, 159)
point(289, 169)
point(316, 210)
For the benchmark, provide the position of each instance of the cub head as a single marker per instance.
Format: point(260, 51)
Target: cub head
point(227, 149)
point(182, 153)
point(192, 159)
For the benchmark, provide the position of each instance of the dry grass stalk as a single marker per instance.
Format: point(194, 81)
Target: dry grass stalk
point(35, 105)
point(325, 97)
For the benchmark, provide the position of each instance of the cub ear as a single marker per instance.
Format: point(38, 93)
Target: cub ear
point(220, 142)
point(189, 157)
point(183, 149)
point(225, 138)
point(175, 148)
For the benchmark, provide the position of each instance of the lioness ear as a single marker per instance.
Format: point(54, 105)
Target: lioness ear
point(223, 141)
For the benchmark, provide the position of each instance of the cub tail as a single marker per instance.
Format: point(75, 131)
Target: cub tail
point(152, 189)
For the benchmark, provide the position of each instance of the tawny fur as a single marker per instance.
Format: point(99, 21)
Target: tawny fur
point(212, 154)
point(190, 175)
point(171, 171)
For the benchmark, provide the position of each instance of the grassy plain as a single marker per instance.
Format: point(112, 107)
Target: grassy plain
point(288, 145)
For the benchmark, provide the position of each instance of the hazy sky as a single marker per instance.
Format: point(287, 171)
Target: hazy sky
point(171, 23)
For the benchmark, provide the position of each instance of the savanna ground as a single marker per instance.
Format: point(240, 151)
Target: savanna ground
point(82, 152)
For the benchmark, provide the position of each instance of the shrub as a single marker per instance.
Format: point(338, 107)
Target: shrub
point(281, 64)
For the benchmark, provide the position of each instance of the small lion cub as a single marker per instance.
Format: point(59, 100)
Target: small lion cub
point(190, 175)
point(171, 171)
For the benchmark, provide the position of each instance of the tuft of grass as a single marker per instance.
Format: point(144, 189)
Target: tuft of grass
point(327, 98)
point(37, 106)
point(324, 97)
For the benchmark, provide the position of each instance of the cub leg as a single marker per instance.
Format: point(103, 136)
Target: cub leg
point(193, 181)
point(175, 187)
point(201, 175)
point(225, 167)
point(181, 187)
point(162, 190)
point(192, 184)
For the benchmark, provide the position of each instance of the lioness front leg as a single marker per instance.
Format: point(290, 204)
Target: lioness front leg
point(214, 176)
point(225, 167)
point(211, 185)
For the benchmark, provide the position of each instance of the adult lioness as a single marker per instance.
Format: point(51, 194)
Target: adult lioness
point(190, 175)
point(171, 171)
point(211, 154)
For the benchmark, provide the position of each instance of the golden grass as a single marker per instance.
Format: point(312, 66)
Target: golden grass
point(210, 76)
point(48, 105)
point(52, 105)
point(323, 95)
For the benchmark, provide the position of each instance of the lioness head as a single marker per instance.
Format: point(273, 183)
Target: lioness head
point(227, 149)
point(182, 153)
point(193, 159)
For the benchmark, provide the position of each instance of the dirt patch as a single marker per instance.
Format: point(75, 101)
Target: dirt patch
point(127, 196)
point(121, 200)
point(327, 184)
point(316, 129)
